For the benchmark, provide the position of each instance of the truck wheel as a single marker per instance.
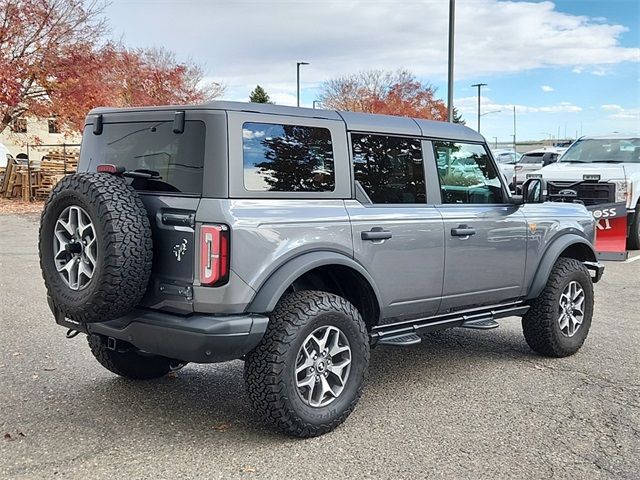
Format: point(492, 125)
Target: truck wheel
point(127, 362)
point(633, 242)
point(306, 375)
point(95, 247)
point(558, 321)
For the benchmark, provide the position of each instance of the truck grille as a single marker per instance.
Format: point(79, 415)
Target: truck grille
point(588, 193)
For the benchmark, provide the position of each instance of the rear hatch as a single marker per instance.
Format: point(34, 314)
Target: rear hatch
point(171, 197)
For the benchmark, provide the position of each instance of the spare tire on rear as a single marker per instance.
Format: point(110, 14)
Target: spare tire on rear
point(95, 247)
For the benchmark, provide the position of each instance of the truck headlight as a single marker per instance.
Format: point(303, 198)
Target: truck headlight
point(623, 191)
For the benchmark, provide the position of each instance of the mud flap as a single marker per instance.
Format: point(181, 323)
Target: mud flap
point(611, 231)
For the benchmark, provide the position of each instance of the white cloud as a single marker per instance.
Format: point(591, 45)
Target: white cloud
point(244, 44)
point(470, 105)
point(547, 88)
point(617, 112)
point(251, 134)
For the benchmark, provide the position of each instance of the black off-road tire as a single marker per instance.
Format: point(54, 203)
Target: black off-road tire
point(126, 362)
point(633, 242)
point(269, 368)
point(540, 324)
point(124, 247)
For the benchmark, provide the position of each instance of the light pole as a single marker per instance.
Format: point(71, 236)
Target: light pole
point(298, 81)
point(514, 130)
point(479, 86)
point(495, 142)
point(489, 113)
point(452, 17)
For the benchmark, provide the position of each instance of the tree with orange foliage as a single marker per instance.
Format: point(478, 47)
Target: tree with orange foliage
point(377, 91)
point(55, 63)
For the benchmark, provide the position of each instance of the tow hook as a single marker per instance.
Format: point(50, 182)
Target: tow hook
point(111, 343)
point(72, 333)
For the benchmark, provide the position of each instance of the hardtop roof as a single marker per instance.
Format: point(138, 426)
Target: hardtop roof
point(355, 121)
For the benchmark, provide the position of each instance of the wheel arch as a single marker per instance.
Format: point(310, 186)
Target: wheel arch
point(567, 246)
point(327, 271)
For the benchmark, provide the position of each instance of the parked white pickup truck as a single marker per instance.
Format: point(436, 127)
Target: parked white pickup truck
point(598, 171)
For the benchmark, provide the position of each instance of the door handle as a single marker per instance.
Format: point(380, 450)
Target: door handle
point(463, 231)
point(376, 233)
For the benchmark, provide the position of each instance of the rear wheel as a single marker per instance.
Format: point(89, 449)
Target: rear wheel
point(558, 321)
point(306, 375)
point(128, 362)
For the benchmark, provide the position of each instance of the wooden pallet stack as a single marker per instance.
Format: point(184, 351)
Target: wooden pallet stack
point(37, 181)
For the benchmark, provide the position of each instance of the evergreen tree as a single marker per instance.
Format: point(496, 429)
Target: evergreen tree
point(259, 95)
point(457, 118)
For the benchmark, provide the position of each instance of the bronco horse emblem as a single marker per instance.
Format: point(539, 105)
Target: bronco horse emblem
point(180, 249)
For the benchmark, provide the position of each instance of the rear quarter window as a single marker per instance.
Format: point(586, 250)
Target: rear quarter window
point(177, 157)
point(287, 158)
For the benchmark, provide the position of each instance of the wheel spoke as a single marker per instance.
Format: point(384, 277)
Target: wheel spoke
point(308, 362)
point(564, 321)
point(338, 370)
point(307, 381)
point(325, 388)
point(579, 293)
point(71, 269)
point(84, 270)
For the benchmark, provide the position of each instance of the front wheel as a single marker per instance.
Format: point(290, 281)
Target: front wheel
point(633, 241)
point(306, 375)
point(558, 321)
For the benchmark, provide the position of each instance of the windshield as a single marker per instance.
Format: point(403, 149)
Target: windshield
point(507, 157)
point(604, 150)
point(532, 158)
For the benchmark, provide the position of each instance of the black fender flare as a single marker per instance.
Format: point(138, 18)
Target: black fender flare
point(270, 292)
point(551, 255)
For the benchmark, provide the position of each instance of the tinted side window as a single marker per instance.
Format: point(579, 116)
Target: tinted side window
point(287, 158)
point(177, 158)
point(390, 169)
point(467, 174)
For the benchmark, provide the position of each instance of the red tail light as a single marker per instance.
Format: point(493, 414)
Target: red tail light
point(214, 254)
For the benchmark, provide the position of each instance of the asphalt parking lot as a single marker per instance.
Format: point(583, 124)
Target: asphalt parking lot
point(462, 404)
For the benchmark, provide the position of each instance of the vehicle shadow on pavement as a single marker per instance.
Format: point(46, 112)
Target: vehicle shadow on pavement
point(207, 401)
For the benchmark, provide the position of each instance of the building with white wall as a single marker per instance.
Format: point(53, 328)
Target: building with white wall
point(32, 130)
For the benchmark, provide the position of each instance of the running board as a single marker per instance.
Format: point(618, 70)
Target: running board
point(401, 341)
point(487, 324)
point(479, 318)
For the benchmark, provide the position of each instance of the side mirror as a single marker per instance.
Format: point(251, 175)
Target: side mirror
point(534, 190)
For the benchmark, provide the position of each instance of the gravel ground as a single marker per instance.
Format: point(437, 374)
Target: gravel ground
point(462, 404)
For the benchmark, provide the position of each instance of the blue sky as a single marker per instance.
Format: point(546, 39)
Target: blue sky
point(569, 66)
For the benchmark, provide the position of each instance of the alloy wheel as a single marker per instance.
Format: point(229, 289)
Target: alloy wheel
point(75, 247)
point(571, 309)
point(322, 366)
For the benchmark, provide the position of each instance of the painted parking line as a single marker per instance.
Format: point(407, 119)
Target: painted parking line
point(632, 259)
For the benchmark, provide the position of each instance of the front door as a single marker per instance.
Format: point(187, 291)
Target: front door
point(485, 236)
point(397, 235)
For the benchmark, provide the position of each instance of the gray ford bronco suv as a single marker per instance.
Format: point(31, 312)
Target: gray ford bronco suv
point(296, 239)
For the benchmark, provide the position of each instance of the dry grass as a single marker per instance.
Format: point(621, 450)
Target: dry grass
point(14, 206)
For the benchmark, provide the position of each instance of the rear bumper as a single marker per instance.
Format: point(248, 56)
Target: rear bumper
point(193, 338)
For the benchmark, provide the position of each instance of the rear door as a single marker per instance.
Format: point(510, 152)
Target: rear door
point(397, 234)
point(147, 142)
point(485, 236)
